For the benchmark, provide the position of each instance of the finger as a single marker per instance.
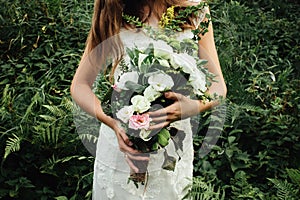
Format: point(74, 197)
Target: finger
point(125, 148)
point(173, 95)
point(131, 165)
point(172, 115)
point(159, 126)
point(159, 112)
point(139, 158)
point(170, 118)
point(159, 119)
point(125, 138)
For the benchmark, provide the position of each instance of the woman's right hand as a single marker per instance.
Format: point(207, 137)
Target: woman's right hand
point(125, 146)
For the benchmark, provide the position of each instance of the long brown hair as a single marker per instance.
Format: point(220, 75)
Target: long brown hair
point(107, 20)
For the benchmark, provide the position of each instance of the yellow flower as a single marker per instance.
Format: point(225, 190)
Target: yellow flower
point(167, 17)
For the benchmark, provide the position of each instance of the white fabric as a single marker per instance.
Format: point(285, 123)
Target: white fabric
point(111, 171)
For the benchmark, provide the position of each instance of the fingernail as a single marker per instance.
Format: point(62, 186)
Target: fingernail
point(167, 94)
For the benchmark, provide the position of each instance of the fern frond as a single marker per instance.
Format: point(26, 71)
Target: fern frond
point(34, 100)
point(12, 145)
point(89, 137)
point(55, 110)
point(294, 175)
point(68, 104)
point(48, 118)
point(48, 133)
point(285, 190)
point(235, 110)
point(51, 134)
point(201, 190)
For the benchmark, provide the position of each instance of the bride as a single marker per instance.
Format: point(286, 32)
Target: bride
point(116, 157)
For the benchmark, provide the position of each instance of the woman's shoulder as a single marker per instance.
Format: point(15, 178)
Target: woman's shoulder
point(193, 2)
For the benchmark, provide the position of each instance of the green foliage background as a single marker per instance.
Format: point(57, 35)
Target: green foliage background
point(257, 155)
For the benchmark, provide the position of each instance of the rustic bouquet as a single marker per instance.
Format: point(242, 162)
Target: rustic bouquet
point(145, 73)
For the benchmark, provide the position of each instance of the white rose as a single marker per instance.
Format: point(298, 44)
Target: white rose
point(144, 134)
point(161, 81)
point(198, 82)
point(184, 61)
point(129, 76)
point(151, 94)
point(125, 113)
point(140, 103)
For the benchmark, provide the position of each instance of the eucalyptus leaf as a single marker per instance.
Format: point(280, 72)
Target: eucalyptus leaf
point(134, 86)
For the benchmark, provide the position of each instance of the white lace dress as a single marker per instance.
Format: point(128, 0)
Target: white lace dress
point(111, 171)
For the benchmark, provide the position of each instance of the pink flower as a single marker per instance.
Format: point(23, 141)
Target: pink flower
point(115, 87)
point(139, 121)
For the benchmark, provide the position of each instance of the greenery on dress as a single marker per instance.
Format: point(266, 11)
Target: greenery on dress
point(257, 156)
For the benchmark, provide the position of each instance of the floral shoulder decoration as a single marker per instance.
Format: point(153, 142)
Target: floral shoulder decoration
point(167, 64)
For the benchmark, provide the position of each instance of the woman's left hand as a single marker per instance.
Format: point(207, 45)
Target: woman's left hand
point(182, 108)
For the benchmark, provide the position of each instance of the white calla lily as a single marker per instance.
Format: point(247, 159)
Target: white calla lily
point(132, 76)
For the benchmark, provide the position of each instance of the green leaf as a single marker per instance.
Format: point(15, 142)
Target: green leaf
point(169, 162)
point(61, 198)
point(163, 137)
point(12, 145)
point(134, 86)
point(231, 139)
point(229, 153)
point(155, 146)
point(164, 132)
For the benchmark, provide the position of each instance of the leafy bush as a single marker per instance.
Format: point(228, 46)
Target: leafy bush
point(41, 44)
point(259, 59)
point(42, 155)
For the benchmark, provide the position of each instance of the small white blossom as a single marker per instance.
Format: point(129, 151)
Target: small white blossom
point(125, 113)
point(140, 103)
point(151, 94)
point(161, 82)
point(144, 134)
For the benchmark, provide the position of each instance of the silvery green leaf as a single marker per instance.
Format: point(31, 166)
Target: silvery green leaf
point(134, 86)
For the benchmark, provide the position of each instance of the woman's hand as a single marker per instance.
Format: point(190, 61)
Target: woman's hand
point(125, 145)
point(182, 108)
